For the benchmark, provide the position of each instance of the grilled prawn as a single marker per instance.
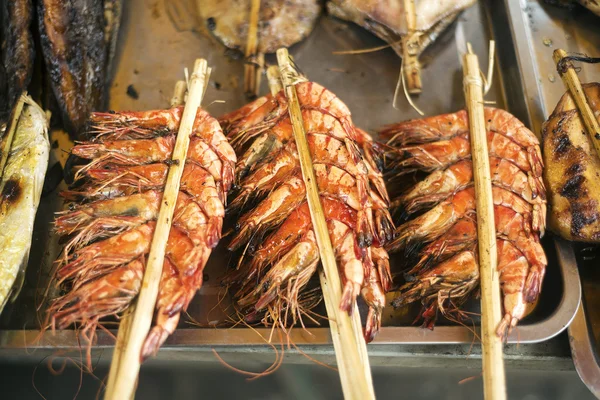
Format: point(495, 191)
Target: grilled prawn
point(278, 228)
point(110, 223)
point(442, 240)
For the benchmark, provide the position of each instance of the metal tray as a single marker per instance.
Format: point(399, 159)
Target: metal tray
point(541, 29)
point(151, 56)
point(584, 331)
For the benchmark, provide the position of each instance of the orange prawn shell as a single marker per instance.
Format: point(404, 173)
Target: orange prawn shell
point(447, 229)
point(128, 158)
point(352, 191)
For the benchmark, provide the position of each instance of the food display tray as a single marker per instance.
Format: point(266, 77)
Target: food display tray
point(543, 28)
point(151, 56)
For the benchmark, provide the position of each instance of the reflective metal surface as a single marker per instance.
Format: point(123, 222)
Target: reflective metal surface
point(583, 349)
point(151, 57)
point(540, 29)
point(584, 331)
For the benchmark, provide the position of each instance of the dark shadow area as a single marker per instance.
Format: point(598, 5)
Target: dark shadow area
point(292, 381)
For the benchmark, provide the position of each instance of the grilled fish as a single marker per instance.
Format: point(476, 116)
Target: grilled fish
point(17, 47)
point(3, 96)
point(572, 172)
point(390, 15)
point(281, 22)
point(112, 22)
point(388, 20)
point(20, 191)
point(74, 48)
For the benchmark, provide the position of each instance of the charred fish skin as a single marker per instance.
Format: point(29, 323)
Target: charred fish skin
point(20, 192)
point(17, 47)
point(3, 93)
point(113, 9)
point(572, 170)
point(74, 49)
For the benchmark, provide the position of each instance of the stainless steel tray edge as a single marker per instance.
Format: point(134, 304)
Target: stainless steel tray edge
point(529, 18)
point(584, 351)
point(530, 333)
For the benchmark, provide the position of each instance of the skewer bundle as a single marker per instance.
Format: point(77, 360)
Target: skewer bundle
point(443, 238)
point(482, 212)
point(147, 209)
point(270, 284)
point(317, 199)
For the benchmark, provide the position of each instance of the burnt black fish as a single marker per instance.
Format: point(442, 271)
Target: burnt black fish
point(17, 48)
point(74, 48)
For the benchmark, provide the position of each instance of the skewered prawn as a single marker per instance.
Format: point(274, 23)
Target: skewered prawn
point(110, 232)
point(353, 196)
point(444, 126)
point(439, 155)
point(436, 142)
point(156, 123)
point(441, 217)
point(451, 280)
point(440, 184)
point(444, 237)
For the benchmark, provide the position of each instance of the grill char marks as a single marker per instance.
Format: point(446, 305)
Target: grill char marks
point(572, 172)
point(74, 48)
point(17, 48)
point(11, 192)
point(574, 187)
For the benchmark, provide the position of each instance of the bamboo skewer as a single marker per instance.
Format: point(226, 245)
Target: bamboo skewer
point(254, 63)
point(571, 81)
point(494, 385)
point(274, 79)
point(259, 67)
point(350, 347)
point(179, 94)
point(122, 335)
point(410, 46)
point(126, 361)
point(125, 324)
point(275, 86)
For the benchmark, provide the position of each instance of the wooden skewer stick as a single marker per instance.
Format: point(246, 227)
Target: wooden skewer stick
point(117, 361)
point(410, 45)
point(179, 94)
point(350, 347)
point(253, 63)
point(274, 79)
point(275, 86)
point(127, 364)
point(259, 67)
point(571, 81)
point(125, 324)
point(494, 385)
